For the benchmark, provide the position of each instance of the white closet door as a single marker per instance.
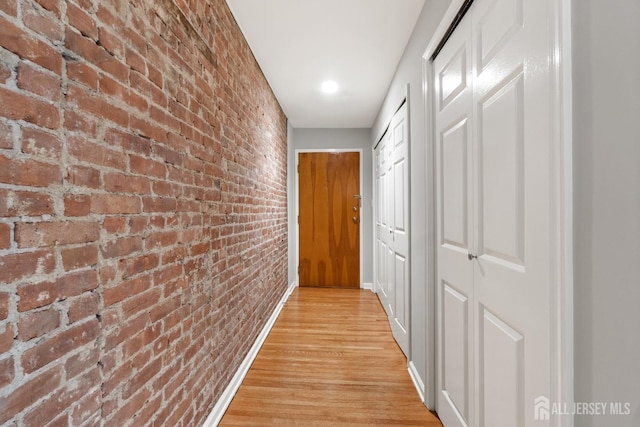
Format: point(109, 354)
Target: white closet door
point(454, 186)
point(399, 139)
point(392, 226)
point(383, 236)
point(495, 192)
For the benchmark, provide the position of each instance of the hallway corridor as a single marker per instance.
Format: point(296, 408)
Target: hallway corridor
point(330, 360)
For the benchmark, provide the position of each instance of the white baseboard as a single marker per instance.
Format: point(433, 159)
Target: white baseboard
point(368, 286)
point(225, 400)
point(417, 381)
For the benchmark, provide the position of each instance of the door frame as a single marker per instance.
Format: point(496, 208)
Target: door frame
point(562, 334)
point(297, 198)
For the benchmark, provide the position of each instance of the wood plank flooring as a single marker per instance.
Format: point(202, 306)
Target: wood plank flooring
point(330, 360)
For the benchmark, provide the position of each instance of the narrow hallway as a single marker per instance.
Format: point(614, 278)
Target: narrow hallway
point(330, 360)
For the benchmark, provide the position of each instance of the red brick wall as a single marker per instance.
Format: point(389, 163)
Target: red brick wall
point(143, 213)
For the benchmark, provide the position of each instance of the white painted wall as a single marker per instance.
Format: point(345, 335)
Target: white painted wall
point(324, 139)
point(409, 72)
point(606, 87)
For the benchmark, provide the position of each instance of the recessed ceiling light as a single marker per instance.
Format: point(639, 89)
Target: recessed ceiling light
point(329, 86)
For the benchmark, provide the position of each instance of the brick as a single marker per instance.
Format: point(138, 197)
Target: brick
point(114, 225)
point(77, 205)
point(28, 393)
point(83, 306)
point(161, 239)
point(135, 61)
point(5, 74)
point(10, 7)
point(6, 337)
point(34, 324)
point(83, 73)
point(111, 42)
point(133, 266)
point(142, 302)
point(120, 183)
point(36, 295)
point(117, 336)
point(81, 20)
point(44, 293)
point(24, 203)
point(74, 122)
point(128, 141)
point(19, 42)
point(5, 236)
point(159, 204)
point(29, 172)
point(41, 22)
point(82, 361)
point(86, 408)
point(6, 134)
point(40, 83)
point(18, 106)
point(38, 234)
point(141, 378)
point(96, 154)
point(98, 106)
point(62, 399)
point(126, 289)
point(77, 283)
point(51, 5)
point(115, 204)
point(126, 411)
point(165, 308)
point(75, 258)
point(4, 305)
point(58, 345)
point(40, 143)
point(84, 177)
point(97, 55)
point(7, 372)
point(17, 266)
point(121, 247)
point(148, 167)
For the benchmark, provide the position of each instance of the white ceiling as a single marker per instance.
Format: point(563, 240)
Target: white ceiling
point(301, 43)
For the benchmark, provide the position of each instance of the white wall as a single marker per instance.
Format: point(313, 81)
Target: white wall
point(409, 72)
point(606, 87)
point(324, 139)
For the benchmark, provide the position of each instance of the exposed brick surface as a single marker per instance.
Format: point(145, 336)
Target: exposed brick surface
point(142, 209)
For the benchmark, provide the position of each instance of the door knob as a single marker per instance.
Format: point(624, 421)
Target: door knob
point(471, 256)
point(355, 219)
point(355, 209)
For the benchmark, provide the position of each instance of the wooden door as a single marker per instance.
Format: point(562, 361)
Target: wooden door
point(495, 192)
point(329, 219)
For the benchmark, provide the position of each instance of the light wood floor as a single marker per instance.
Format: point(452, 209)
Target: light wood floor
point(330, 360)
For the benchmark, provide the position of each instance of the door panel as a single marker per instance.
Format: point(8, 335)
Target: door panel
point(455, 349)
point(501, 171)
point(392, 229)
point(454, 186)
point(494, 137)
point(329, 219)
point(399, 178)
point(501, 376)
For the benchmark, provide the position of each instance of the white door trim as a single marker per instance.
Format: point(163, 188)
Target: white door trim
point(562, 215)
point(297, 198)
